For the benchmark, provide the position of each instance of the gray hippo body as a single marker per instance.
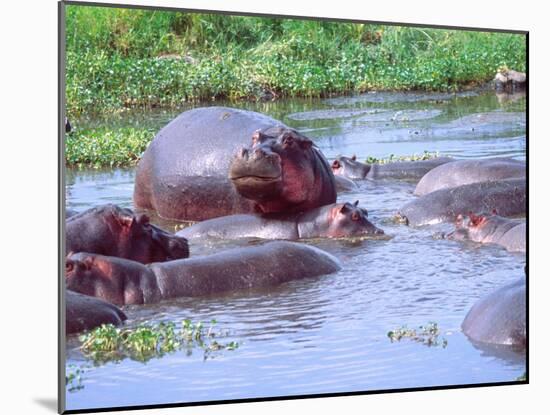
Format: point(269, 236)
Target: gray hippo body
point(399, 170)
point(332, 221)
point(508, 233)
point(500, 317)
point(510, 80)
point(185, 172)
point(85, 313)
point(507, 197)
point(121, 281)
point(460, 172)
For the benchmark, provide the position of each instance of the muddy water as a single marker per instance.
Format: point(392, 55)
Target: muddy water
point(329, 334)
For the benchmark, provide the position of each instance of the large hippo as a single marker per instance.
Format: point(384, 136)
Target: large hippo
point(510, 80)
point(122, 281)
point(507, 197)
point(197, 167)
point(509, 233)
point(332, 221)
point(112, 230)
point(401, 170)
point(461, 172)
point(83, 312)
point(500, 317)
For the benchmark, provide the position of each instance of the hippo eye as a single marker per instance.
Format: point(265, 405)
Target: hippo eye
point(355, 216)
point(69, 266)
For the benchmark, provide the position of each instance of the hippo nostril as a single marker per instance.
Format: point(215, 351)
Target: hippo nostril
point(243, 153)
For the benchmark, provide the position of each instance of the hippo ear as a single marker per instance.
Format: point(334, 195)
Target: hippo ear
point(126, 221)
point(356, 203)
point(143, 219)
point(336, 164)
point(258, 136)
point(494, 212)
point(353, 158)
point(476, 220)
point(459, 221)
point(69, 266)
point(88, 262)
point(346, 207)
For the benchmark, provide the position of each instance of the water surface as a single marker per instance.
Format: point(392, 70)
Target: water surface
point(329, 334)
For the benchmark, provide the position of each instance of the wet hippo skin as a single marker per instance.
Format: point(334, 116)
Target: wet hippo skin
point(122, 281)
point(217, 161)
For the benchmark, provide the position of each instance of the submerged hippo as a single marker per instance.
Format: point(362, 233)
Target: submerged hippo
point(500, 317)
point(402, 170)
point(122, 281)
point(197, 168)
point(461, 172)
point(508, 197)
point(332, 221)
point(115, 231)
point(83, 312)
point(509, 233)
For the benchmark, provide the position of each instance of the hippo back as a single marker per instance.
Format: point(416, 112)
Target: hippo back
point(500, 317)
point(201, 142)
point(461, 172)
point(85, 313)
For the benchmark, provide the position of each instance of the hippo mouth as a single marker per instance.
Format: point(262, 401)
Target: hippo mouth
point(258, 188)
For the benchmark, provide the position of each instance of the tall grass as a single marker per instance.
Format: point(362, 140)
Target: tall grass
point(120, 58)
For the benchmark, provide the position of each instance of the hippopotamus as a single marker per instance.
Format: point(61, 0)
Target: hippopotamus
point(343, 184)
point(122, 281)
point(507, 197)
point(500, 317)
point(219, 161)
point(509, 233)
point(461, 172)
point(401, 170)
point(332, 221)
point(116, 231)
point(83, 312)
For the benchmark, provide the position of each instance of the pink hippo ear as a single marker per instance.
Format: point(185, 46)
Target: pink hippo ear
point(336, 164)
point(125, 221)
point(476, 220)
point(494, 212)
point(353, 158)
point(143, 219)
point(459, 221)
point(88, 262)
point(355, 216)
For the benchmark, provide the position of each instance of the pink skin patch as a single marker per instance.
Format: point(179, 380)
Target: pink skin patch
point(296, 184)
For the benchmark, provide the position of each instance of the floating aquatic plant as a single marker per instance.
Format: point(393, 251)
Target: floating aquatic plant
point(428, 335)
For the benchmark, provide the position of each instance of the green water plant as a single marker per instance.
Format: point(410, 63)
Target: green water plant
point(147, 341)
point(426, 155)
point(428, 335)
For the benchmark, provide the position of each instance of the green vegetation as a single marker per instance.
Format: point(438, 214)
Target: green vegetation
point(101, 147)
point(522, 378)
point(427, 155)
point(142, 343)
point(119, 58)
point(146, 341)
point(427, 335)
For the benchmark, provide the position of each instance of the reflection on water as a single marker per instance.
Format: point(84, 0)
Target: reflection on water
point(328, 334)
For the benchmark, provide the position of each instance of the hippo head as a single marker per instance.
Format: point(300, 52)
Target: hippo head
point(283, 171)
point(119, 232)
point(115, 280)
point(347, 219)
point(350, 167)
point(468, 227)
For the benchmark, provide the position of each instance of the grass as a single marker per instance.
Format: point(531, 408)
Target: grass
point(105, 147)
point(120, 58)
